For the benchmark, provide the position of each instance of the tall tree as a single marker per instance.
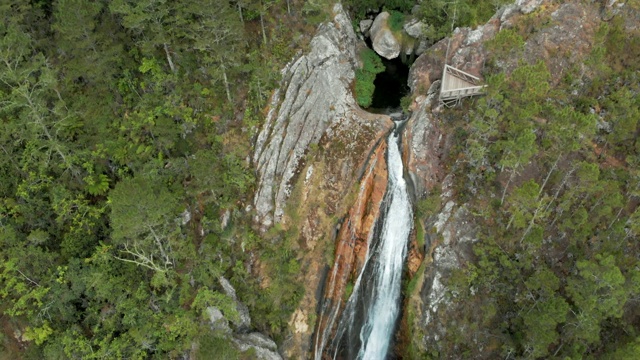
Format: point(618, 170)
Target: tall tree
point(145, 222)
point(152, 21)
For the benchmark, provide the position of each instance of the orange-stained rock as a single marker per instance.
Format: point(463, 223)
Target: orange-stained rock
point(414, 257)
point(353, 238)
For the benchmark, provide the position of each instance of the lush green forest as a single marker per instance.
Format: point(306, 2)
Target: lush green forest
point(125, 134)
point(126, 187)
point(550, 169)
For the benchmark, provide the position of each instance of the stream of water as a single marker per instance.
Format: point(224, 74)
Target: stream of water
point(368, 322)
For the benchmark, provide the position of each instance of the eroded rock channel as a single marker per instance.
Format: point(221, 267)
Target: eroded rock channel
point(363, 326)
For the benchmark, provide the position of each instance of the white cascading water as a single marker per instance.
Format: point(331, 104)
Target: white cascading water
point(382, 272)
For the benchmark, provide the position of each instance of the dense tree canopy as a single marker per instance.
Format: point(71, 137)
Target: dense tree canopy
point(119, 130)
point(549, 169)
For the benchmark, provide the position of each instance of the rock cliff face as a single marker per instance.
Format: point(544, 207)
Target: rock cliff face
point(319, 157)
point(313, 97)
point(352, 243)
point(310, 156)
point(560, 35)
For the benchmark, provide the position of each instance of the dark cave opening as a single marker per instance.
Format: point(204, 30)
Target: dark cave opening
point(390, 85)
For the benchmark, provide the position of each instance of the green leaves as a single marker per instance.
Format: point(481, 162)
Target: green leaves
point(598, 293)
point(25, 295)
point(371, 65)
point(98, 184)
point(507, 42)
point(523, 201)
point(144, 221)
point(541, 322)
point(547, 312)
point(206, 298)
point(395, 21)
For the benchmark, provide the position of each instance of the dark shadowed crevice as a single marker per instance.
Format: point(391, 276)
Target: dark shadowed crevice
point(390, 85)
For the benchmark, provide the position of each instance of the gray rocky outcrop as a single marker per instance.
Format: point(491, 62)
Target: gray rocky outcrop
point(528, 6)
point(263, 347)
point(414, 28)
point(217, 320)
point(314, 94)
point(243, 322)
point(454, 227)
point(365, 25)
point(568, 32)
point(424, 141)
point(382, 39)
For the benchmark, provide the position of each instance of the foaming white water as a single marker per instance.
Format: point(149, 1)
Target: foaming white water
point(365, 326)
point(387, 262)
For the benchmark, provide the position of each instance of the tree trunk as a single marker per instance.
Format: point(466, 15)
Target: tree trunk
point(544, 184)
point(240, 12)
point(264, 33)
point(169, 60)
point(226, 83)
point(504, 193)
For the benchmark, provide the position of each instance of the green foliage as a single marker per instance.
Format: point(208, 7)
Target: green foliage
point(360, 7)
point(210, 344)
point(120, 120)
point(405, 103)
point(439, 15)
point(371, 65)
point(395, 21)
point(371, 62)
point(552, 199)
point(506, 43)
point(317, 11)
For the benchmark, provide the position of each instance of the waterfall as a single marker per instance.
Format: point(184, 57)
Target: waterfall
point(368, 321)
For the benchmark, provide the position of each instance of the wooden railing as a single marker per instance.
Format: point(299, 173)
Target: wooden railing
point(459, 81)
point(459, 93)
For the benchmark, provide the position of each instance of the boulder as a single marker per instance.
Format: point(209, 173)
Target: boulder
point(217, 320)
point(365, 25)
point(263, 347)
point(243, 323)
point(382, 38)
point(414, 28)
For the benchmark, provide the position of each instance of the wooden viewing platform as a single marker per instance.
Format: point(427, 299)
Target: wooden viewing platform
point(457, 84)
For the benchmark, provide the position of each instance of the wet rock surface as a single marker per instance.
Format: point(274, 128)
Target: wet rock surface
point(352, 243)
point(310, 156)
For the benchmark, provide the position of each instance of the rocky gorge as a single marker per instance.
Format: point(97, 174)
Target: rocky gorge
point(322, 167)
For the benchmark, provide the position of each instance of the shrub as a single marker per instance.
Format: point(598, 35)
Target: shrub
point(405, 103)
point(395, 21)
point(371, 65)
point(371, 62)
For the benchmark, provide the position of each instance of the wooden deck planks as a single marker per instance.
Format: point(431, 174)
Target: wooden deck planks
point(456, 84)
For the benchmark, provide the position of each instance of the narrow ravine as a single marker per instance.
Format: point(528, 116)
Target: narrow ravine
point(368, 321)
